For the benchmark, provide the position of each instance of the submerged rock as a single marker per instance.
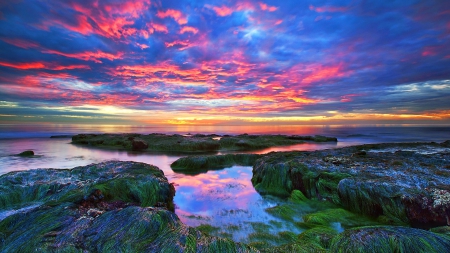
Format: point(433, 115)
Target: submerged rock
point(412, 191)
point(389, 239)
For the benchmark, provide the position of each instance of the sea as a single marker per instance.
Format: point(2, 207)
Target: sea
point(220, 198)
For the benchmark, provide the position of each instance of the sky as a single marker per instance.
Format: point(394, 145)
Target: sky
point(217, 62)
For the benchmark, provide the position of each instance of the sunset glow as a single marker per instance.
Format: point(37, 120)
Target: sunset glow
point(225, 62)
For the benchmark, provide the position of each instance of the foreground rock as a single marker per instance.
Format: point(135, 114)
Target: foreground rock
point(106, 207)
point(192, 143)
point(403, 183)
point(389, 239)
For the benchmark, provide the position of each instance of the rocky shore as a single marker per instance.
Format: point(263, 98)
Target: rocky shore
point(387, 198)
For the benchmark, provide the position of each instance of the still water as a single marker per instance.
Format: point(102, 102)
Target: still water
point(221, 198)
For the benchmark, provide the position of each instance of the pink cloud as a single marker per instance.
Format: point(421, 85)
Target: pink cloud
point(159, 28)
point(222, 11)
point(266, 7)
point(178, 16)
point(20, 43)
point(41, 65)
point(190, 29)
point(88, 56)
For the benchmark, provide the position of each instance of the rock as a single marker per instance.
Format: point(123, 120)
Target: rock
point(61, 136)
point(26, 153)
point(198, 164)
point(129, 182)
point(413, 191)
point(63, 228)
point(389, 239)
point(139, 144)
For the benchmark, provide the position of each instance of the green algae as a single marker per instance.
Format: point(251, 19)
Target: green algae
point(373, 199)
point(204, 163)
point(207, 229)
point(279, 176)
point(129, 182)
point(298, 197)
point(389, 239)
point(253, 142)
point(320, 236)
point(345, 218)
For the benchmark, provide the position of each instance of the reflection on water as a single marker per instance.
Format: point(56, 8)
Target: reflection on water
point(225, 198)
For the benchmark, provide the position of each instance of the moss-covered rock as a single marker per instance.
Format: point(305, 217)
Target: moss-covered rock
point(414, 192)
point(195, 164)
point(119, 181)
point(132, 229)
point(389, 239)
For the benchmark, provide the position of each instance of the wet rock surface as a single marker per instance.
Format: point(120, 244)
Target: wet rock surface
point(406, 183)
point(192, 143)
point(106, 207)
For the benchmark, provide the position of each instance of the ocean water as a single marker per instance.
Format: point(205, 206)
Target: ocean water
point(221, 198)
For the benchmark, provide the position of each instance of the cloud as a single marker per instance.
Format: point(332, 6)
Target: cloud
point(222, 11)
point(243, 61)
point(178, 16)
point(188, 29)
point(266, 7)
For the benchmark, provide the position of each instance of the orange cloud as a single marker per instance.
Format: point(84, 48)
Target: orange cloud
point(178, 16)
point(266, 7)
point(190, 29)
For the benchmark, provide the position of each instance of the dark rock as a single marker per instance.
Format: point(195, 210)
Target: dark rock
point(61, 136)
point(26, 153)
point(139, 144)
